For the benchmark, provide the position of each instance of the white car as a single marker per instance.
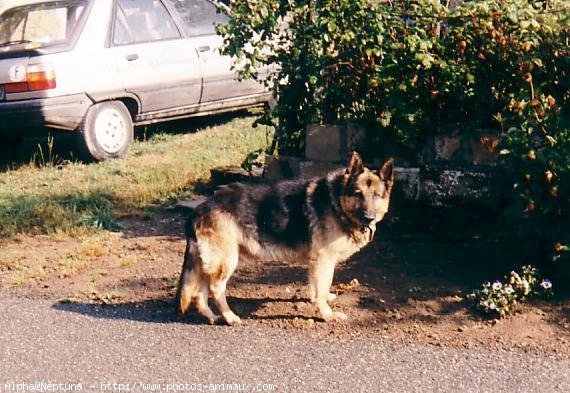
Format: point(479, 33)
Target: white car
point(99, 67)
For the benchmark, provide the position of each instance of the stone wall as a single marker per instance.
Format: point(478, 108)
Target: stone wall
point(451, 169)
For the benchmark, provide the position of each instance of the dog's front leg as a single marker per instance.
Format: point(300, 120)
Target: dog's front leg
point(321, 273)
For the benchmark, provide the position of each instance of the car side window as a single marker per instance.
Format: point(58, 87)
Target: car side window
point(142, 21)
point(200, 17)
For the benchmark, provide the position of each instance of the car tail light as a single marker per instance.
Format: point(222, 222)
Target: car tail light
point(18, 87)
point(39, 77)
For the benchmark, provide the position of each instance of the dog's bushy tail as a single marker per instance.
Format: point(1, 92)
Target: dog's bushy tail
point(188, 282)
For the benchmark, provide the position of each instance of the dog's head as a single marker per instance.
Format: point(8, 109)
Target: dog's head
point(365, 194)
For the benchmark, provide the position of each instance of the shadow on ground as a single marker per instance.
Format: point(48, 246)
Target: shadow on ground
point(157, 311)
point(57, 148)
point(189, 125)
point(394, 276)
point(411, 290)
point(163, 310)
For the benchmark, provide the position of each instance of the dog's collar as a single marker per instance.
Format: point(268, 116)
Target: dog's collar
point(362, 234)
point(352, 226)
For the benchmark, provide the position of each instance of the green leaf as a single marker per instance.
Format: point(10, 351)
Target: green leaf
point(385, 118)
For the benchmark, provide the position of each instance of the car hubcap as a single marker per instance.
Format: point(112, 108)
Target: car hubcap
point(110, 130)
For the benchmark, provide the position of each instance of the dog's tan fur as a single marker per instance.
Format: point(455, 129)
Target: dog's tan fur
point(221, 234)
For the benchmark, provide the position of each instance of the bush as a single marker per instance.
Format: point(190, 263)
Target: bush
point(411, 69)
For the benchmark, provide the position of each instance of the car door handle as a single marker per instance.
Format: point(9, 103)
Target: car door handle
point(204, 48)
point(132, 57)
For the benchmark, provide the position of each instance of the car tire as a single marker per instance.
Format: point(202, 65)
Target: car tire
point(106, 132)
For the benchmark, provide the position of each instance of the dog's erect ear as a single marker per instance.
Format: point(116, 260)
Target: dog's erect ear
point(355, 165)
point(387, 173)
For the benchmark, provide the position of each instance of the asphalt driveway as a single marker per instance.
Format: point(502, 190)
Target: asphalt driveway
point(132, 349)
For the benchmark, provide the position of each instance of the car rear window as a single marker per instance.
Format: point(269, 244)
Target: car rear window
point(41, 24)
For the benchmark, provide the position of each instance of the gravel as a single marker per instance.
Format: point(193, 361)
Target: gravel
point(131, 349)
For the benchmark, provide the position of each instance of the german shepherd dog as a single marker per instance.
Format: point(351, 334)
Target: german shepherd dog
point(321, 221)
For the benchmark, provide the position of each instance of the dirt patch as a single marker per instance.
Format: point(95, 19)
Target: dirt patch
point(402, 290)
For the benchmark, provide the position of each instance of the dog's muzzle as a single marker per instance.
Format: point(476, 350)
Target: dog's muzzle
point(367, 219)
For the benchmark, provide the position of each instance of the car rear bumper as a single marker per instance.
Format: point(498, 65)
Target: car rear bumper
point(20, 118)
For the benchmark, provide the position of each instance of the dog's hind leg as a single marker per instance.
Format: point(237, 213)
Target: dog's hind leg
point(202, 303)
point(188, 282)
point(193, 286)
point(218, 284)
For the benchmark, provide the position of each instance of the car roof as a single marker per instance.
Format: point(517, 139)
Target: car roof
point(6, 4)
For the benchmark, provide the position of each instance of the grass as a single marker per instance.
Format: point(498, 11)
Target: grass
point(70, 199)
point(127, 261)
point(12, 260)
point(71, 264)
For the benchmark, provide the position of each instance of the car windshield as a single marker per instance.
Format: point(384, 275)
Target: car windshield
point(41, 24)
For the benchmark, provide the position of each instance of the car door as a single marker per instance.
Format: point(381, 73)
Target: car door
point(154, 61)
point(220, 82)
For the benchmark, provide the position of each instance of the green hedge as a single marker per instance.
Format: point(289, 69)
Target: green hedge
point(411, 69)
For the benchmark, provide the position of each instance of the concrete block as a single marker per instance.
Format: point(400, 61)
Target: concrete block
point(446, 147)
point(310, 169)
point(484, 149)
point(332, 143)
point(449, 186)
point(295, 168)
point(228, 174)
point(355, 138)
point(282, 167)
point(192, 204)
point(476, 148)
point(433, 186)
point(407, 181)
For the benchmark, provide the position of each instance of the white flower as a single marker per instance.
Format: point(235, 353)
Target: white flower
point(546, 284)
point(526, 284)
point(497, 285)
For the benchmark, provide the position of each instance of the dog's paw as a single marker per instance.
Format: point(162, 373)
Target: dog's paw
point(335, 316)
point(214, 320)
point(331, 297)
point(231, 319)
point(339, 316)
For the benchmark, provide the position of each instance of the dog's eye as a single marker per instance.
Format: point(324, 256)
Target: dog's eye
point(376, 196)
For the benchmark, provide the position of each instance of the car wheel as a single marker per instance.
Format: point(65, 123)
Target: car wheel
point(106, 132)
